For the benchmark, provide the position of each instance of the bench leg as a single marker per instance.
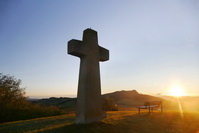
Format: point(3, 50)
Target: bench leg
point(149, 110)
point(139, 110)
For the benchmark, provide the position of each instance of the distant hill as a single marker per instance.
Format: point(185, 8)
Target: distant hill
point(132, 98)
point(62, 102)
point(126, 98)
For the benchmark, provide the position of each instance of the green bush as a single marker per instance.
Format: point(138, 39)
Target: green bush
point(109, 104)
point(13, 103)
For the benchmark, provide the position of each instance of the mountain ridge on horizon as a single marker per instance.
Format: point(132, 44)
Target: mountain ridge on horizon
point(74, 96)
point(123, 97)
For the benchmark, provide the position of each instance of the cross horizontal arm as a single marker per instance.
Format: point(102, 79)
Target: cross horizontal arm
point(75, 47)
point(104, 54)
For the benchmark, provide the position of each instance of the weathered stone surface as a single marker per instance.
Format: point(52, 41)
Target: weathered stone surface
point(89, 103)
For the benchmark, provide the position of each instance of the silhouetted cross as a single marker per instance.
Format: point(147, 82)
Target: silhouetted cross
point(89, 104)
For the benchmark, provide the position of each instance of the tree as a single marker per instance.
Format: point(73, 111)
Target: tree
point(13, 103)
point(11, 94)
point(12, 98)
point(109, 104)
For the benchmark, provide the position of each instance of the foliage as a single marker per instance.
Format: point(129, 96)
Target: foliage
point(13, 103)
point(10, 92)
point(109, 104)
point(62, 102)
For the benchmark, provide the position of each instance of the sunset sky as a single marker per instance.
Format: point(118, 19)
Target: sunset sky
point(153, 44)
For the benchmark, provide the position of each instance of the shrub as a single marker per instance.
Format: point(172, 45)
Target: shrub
point(13, 103)
point(109, 104)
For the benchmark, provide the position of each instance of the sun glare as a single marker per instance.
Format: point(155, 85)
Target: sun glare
point(177, 91)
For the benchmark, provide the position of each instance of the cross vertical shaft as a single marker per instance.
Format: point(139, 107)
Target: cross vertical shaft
point(89, 103)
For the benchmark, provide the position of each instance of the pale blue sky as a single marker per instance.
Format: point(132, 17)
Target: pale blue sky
point(153, 44)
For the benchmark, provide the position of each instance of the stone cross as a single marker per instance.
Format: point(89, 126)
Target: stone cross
point(89, 102)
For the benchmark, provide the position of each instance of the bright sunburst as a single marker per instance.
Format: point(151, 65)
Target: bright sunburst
point(177, 91)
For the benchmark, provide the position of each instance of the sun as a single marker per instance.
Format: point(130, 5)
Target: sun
point(177, 91)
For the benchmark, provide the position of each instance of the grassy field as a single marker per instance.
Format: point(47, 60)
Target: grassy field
point(115, 122)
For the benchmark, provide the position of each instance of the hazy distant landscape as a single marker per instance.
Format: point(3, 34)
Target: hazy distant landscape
point(128, 100)
point(122, 116)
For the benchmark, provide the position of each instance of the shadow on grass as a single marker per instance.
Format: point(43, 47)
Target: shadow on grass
point(136, 123)
point(116, 122)
point(84, 128)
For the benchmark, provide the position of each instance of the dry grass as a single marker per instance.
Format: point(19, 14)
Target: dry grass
point(116, 122)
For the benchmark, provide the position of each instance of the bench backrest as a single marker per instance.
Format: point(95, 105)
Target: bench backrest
point(151, 103)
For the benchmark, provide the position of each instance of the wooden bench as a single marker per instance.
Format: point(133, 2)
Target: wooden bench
point(151, 105)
